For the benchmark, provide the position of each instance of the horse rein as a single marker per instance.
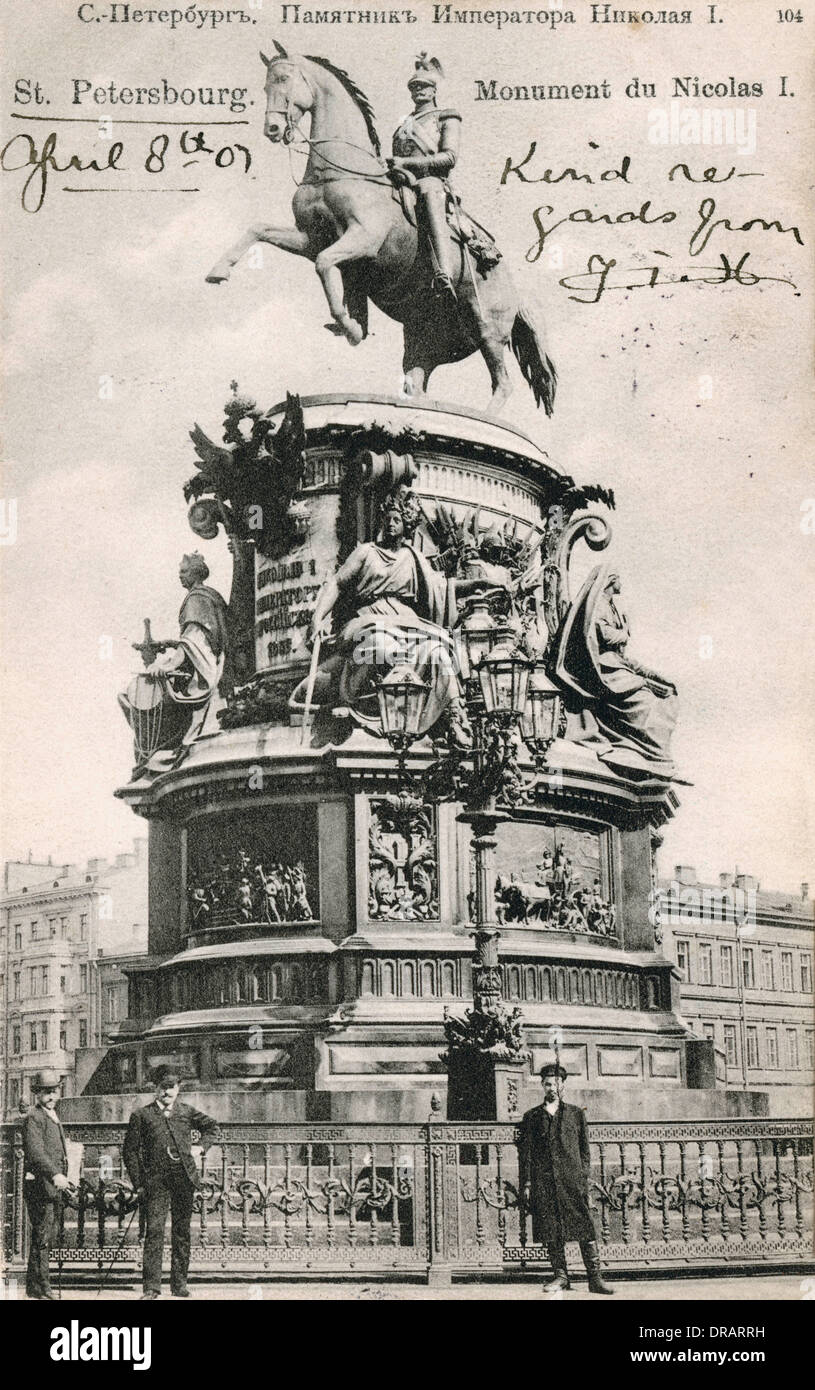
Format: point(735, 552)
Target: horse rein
point(311, 145)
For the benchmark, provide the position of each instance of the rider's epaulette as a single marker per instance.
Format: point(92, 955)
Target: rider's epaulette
point(449, 114)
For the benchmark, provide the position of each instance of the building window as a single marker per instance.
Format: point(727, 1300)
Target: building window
point(16, 987)
point(17, 1040)
point(767, 970)
point(35, 930)
point(18, 937)
point(32, 1037)
point(730, 1049)
point(63, 983)
point(44, 1035)
point(683, 959)
point(63, 927)
point(32, 981)
point(809, 1048)
point(14, 1092)
point(709, 1031)
point(793, 1060)
point(52, 926)
point(83, 1032)
point(83, 926)
point(45, 987)
point(63, 1035)
point(726, 962)
point(786, 970)
point(112, 1003)
point(705, 964)
point(83, 979)
point(772, 1047)
point(748, 967)
point(752, 1047)
point(806, 974)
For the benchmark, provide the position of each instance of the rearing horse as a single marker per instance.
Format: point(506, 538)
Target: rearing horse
point(350, 222)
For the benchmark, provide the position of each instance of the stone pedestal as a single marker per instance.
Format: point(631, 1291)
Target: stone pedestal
point(481, 1088)
point(341, 994)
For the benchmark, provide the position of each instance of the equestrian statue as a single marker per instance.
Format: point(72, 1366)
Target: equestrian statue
point(393, 230)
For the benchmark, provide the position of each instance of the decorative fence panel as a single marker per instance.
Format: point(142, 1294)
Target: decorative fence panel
point(440, 1199)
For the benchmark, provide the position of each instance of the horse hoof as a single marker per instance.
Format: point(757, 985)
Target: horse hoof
point(335, 329)
point(354, 335)
point(214, 279)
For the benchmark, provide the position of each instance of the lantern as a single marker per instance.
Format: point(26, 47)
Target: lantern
point(504, 677)
point(402, 699)
point(542, 716)
point(476, 638)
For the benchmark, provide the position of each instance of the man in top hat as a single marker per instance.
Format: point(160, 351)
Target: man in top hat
point(555, 1161)
point(426, 146)
point(46, 1168)
point(157, 1153)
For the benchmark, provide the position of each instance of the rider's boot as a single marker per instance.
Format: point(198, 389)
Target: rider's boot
point(435, 203)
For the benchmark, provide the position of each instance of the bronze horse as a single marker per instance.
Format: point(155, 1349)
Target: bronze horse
point(365, 245)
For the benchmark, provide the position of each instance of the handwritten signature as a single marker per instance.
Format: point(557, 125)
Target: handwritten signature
point(602, 276)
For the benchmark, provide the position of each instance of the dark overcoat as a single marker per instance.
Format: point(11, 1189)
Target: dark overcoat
point(151, 1133)
point(557, 1171)
point(44, 1152)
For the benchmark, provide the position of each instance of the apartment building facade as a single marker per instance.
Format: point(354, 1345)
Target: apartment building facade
point(745, 956)
point(62, 931)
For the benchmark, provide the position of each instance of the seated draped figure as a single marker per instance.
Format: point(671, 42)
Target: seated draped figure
point(388, 606)
point(634, 708)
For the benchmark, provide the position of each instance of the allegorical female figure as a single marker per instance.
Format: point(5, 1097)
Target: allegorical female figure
point(388, 607)
point(635, 709)
point(167, 705)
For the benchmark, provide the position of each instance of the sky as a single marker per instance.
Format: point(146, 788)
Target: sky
point(689, 400)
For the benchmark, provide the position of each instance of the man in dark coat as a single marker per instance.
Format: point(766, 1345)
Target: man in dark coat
point(157, 1153)
point(46, 1167)
point(555, 1161)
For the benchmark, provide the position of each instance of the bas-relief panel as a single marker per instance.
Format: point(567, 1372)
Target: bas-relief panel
point(253, 867)
point(402, 861)
point(554, 876)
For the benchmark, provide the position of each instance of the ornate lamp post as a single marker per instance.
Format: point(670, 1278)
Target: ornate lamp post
point(503, 677)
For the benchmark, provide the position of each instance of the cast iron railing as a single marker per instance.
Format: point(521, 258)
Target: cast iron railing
point(442, 1198)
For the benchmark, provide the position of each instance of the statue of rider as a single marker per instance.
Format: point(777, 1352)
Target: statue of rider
point(426, 146)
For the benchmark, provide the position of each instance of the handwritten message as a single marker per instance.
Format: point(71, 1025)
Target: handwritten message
point(701, 224)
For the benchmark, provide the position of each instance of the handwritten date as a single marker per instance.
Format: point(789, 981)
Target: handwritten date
point(21, 154)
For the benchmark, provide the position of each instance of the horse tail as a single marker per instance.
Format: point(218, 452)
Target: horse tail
point(536, 367)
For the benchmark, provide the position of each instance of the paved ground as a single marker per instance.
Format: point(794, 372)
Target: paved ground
point(766, 1287)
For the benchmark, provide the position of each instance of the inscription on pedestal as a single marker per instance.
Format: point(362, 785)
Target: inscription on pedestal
point(286, 589)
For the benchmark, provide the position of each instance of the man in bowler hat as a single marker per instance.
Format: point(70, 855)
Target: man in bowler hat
point(46, 1169)
point(555, 1161)
point(157, 1153)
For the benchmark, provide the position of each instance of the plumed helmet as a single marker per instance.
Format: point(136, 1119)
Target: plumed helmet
point(426, 70)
